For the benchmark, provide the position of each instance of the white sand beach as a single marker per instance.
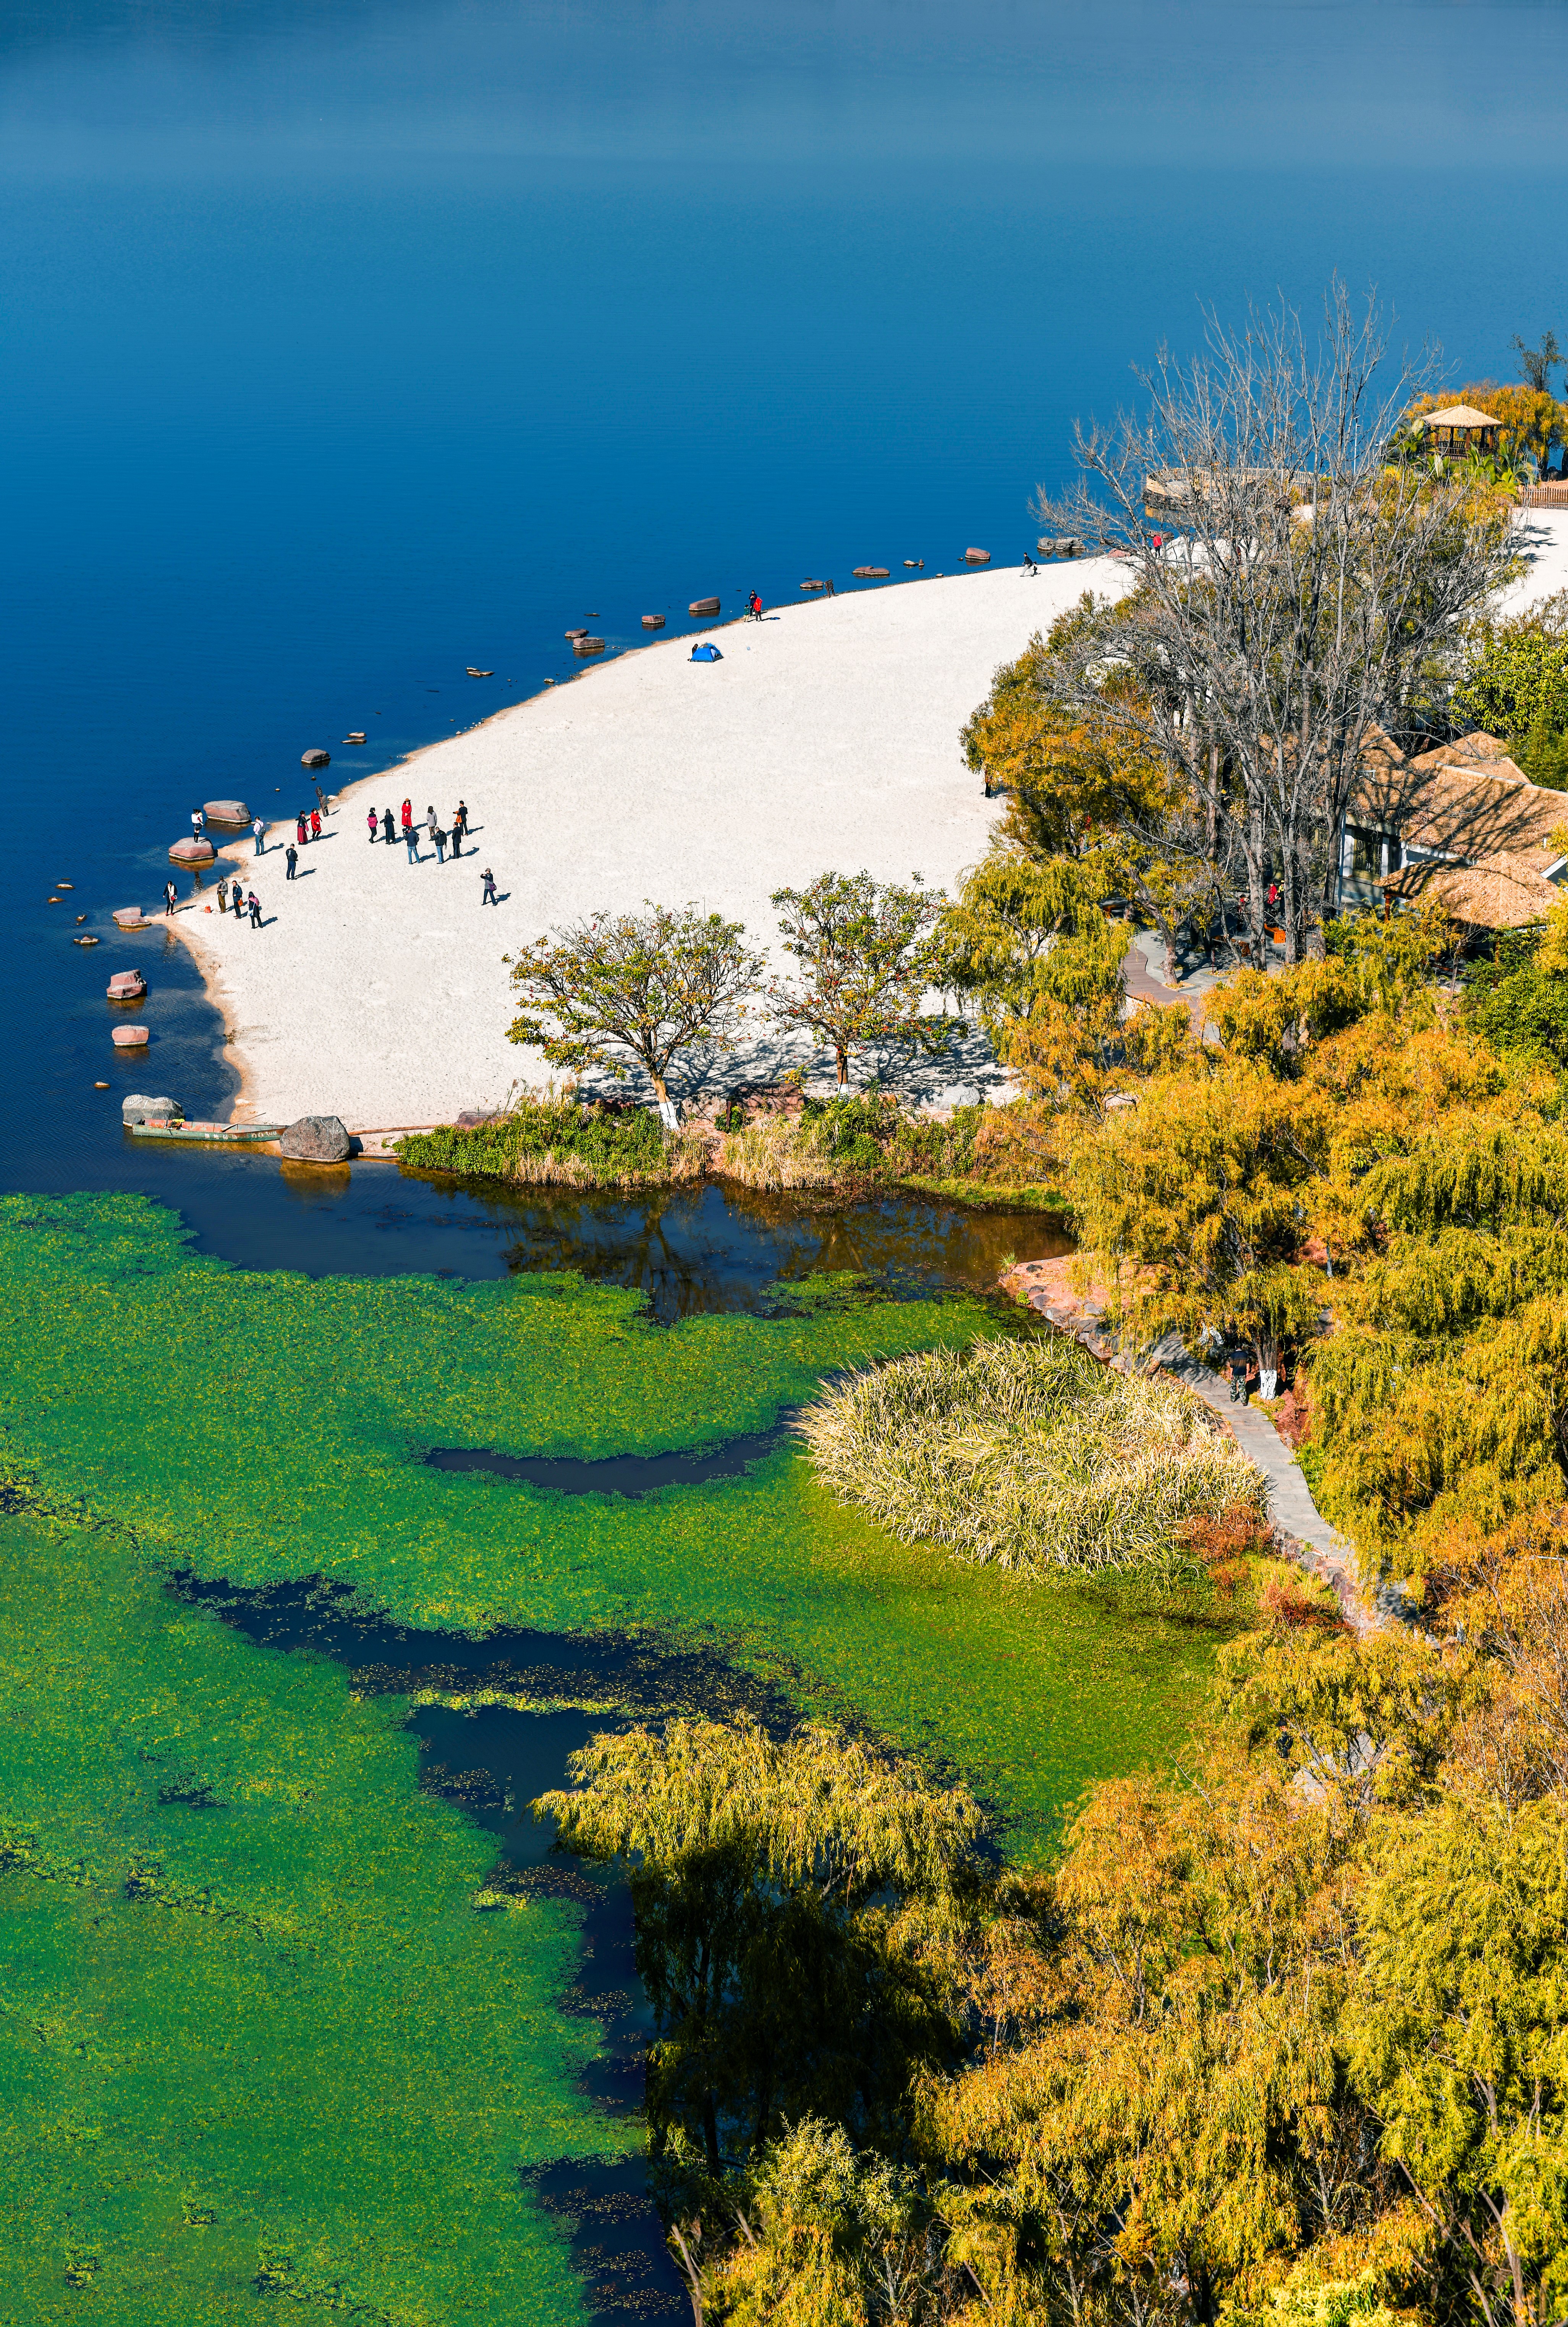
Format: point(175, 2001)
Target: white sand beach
point(827, 738)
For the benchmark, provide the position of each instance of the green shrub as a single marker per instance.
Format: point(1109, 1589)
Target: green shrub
point(584, 1143)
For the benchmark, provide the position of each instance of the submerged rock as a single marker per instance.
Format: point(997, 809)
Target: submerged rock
point(316, 1139)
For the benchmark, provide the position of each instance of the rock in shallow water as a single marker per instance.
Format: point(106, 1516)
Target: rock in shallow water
point(138, 1108)
point(316, 1139)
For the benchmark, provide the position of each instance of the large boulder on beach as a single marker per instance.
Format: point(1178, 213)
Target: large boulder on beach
point(192, 852)
point(225, 812)
point(315, 757)
point(316, 1139)
point(139, 1109)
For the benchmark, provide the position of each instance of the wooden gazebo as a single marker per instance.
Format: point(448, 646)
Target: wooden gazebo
point(1460, 428)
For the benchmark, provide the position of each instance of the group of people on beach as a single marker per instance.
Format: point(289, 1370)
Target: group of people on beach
point(243, 903)
point(382, 826)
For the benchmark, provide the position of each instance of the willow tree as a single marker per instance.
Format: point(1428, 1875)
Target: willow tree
point(1312, 585)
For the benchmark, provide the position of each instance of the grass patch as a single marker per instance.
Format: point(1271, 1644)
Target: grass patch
point(563, 1142)
point(1031, 1454)
point(253, 2034)
point(266, 1426)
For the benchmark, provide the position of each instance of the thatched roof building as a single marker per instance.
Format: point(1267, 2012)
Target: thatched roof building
point(1461, 823)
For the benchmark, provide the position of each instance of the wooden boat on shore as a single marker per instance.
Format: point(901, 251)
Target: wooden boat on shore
point(211, 1134)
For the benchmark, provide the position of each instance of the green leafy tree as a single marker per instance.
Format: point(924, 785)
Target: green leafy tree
point(1516, 680)
point(625, 990)
point(868, 954)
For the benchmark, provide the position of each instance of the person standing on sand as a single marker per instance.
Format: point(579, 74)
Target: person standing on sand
point(390, 826)
point(411, 842)
point(430, 822)
point(169, 895)
point(456, 836)
point(408, 814)
point(300, 828)
point(460, 819)
point(291, 860)
point(439, 839)
point(315, 824)
point(257, 833)
point(488, 897)
point(255, 903)
point(223, 895)
point(374, 821)
point(321, 796)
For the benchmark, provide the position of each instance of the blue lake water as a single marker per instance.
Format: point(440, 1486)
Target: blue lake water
point(349, 344)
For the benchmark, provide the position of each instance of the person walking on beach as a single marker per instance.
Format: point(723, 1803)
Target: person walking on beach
point(315, 824)
point(255, 903)
point(411, 842)
point(439, 839)
point(223, 895)
point(488, 897)
point(374, 821)
point(291, 860)
point(258, 831)
point(169, 894)
point(391, 828)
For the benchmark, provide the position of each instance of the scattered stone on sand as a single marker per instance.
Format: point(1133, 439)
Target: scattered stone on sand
point(316, 1139)
point(229, 811)
point(139, 1109)
point(192, 852)
point(315, 757)
point(129, 1038)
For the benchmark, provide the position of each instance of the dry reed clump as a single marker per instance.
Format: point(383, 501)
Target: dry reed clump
point(772, 1151)
point(1031, 1454)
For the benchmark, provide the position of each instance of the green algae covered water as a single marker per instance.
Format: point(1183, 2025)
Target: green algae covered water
point(284, 2050)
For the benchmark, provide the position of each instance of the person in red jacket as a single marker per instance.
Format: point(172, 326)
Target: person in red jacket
point(408, 814)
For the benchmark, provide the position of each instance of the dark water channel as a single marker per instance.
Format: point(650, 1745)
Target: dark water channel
point(494, 1761)
point(619, 1474)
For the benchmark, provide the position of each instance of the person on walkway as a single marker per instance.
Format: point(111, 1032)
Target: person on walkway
point(300, 828)
point(223, 894)
point(255, 903)
point(460, 819)
point(374, 821)
point(411, 842)
point(315, 824)
point(291, 860)
point(390, 827)
point(1239, 1381)
point(257, 833)
point(169, 895)
point(408, 814)
point(488, 897)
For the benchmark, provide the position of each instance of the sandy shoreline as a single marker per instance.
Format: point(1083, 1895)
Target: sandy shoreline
point(826, 738)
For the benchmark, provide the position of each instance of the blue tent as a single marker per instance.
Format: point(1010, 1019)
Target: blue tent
point(707, 652)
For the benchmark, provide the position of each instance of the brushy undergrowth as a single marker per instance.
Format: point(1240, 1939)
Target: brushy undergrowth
point(560, 1141)
point(1032, 1455)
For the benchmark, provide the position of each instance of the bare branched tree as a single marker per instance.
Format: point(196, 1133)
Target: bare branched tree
point(1306, 585)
